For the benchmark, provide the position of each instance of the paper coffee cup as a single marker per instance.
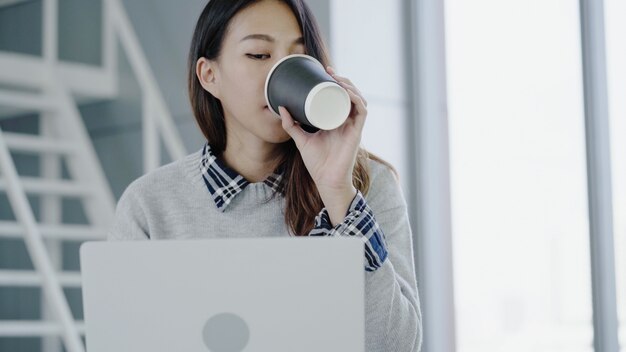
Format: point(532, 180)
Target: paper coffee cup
point(301, 84)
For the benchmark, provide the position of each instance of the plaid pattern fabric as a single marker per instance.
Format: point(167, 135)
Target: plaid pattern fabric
point(359, 222)
point(224, 184)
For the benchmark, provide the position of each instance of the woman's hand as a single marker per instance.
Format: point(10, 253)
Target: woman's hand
point(329, 156)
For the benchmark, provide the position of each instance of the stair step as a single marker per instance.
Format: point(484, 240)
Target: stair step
point(67, 232)
point(29, 278)
point(35, 185)
point(32, 143)
point(26, 101)
point(25, 328)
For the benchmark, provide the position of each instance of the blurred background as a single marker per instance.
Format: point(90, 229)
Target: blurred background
point(506, 120)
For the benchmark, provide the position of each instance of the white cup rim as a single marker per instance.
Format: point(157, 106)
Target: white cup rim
point(322, 123)
point(267, 79)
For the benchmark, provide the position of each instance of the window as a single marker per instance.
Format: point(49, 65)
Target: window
point(518, 179)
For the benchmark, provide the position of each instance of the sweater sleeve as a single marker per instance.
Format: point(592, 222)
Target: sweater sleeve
point(358, 222)
point(393, 314)
point(393, 320)
point(130, 221)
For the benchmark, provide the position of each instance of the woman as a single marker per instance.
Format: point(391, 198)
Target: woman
point(260, 176)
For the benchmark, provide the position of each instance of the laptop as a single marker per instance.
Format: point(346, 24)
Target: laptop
point(224, 295)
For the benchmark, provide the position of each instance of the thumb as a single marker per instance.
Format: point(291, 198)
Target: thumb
point(289, 125)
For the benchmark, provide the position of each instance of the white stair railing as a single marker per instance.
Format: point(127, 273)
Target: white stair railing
point(38, 253)
point(156, 113)
point(63, 135)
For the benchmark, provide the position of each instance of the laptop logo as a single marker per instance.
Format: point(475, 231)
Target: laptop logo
point(226, 332)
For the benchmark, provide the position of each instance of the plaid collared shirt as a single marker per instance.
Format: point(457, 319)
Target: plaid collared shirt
point(224, 184)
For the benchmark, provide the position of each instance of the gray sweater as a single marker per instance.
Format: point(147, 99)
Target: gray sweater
point(173, 202)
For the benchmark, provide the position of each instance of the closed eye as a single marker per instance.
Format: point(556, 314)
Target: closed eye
point(258, 56)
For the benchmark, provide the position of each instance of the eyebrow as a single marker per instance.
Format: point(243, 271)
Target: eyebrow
point(268, 38)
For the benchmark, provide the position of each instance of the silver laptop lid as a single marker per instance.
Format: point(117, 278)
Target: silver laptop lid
point(224, 295)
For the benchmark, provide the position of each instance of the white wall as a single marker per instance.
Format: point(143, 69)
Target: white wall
point(367, 48)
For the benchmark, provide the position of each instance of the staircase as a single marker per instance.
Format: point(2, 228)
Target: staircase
point(53, 90)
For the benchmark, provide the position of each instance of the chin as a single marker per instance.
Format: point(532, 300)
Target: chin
point(278, 137)
point(274, 132)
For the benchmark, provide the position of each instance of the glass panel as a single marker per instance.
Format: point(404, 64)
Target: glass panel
point(519, 201)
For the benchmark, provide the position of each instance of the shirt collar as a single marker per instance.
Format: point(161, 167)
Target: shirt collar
point(224, 183)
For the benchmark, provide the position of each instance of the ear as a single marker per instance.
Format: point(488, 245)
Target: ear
point(207, 75)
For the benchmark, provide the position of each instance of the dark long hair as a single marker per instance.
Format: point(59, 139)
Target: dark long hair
point(302, 200)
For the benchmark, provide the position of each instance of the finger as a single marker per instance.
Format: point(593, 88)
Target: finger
point(354, 90)
point(346, 83)
point(344, 79)
point(360, 109)
point(289, 125)
point(331, 71)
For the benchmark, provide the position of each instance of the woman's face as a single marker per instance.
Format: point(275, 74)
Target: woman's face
point(257, 37)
